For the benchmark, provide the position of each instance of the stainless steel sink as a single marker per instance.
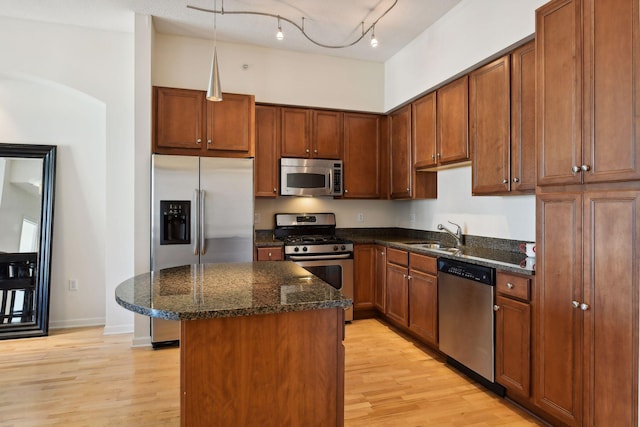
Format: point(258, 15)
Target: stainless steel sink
point(434, 246)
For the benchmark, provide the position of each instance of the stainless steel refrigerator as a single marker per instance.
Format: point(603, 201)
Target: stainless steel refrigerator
point(201, 212)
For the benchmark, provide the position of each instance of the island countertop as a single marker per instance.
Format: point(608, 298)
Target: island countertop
point(200, 291)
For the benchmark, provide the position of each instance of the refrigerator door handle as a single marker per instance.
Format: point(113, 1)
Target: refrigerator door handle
point(196, 228)
point(203, 247)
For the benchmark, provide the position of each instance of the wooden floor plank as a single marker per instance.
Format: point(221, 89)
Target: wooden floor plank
point(79, 377)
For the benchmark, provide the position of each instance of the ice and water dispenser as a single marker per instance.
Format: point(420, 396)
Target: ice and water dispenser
point(175, 222)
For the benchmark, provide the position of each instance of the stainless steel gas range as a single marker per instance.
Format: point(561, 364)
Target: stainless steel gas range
point(310, 241)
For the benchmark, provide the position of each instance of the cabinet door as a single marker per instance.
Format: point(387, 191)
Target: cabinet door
point(362, 146)
point(423, 306)
point(559, 93)
point(423, 127)
point(380, 299)
point(513, 345)
point(612, 91)
point(179, 119)
point(397, 294)
point(453, 121)
point(523, 118)
point(270, 254)
point(401, 165)
point(611, 280)
point(327, 134)
point(490, 118)
point(558, 329)
point(364, 268)
point(296, 129)
point(230, 125)
point(265, 170)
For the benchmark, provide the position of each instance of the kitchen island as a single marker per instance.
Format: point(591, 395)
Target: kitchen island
point(260, 344)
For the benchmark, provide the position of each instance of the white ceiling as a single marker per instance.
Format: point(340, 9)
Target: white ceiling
point(327, 21)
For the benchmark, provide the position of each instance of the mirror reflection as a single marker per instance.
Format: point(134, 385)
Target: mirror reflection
point(26, 211)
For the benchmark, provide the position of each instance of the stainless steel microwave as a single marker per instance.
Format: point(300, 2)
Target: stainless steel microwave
point(310, 177)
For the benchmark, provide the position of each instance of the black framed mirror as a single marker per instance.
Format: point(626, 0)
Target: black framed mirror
point(27, 183)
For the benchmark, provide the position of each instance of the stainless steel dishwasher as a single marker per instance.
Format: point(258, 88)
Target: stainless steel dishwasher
point(466, 318)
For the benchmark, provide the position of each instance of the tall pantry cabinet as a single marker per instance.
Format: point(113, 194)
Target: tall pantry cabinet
point(588, 212)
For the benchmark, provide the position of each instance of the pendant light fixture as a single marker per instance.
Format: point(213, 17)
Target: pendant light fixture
point(279, 34)
point(214, 91)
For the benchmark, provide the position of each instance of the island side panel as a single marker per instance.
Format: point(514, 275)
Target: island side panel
point(273, 369)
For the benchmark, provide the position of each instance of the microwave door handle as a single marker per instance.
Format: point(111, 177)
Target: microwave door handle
point(195, 230)
point(203, 245)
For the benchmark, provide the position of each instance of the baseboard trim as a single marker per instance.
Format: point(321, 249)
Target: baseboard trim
point(76, 323)
point(120, 329)
point(141, 342)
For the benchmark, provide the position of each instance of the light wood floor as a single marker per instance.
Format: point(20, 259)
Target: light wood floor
point(82, 378)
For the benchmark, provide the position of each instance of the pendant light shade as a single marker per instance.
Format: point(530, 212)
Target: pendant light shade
point(214, 91)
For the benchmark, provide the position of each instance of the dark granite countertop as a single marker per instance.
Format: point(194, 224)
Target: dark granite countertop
point(491, 252)
point(227, 290)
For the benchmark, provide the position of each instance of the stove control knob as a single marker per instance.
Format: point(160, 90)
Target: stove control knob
point(296, 249)
point(335, 248)
point(304, 249)
point(343, 247)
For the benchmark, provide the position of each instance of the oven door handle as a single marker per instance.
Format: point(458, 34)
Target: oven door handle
point(318, 257)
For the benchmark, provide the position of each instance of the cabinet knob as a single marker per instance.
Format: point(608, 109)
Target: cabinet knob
point(275, 190)
point(381, 253)
point(575, 304)
point(496, 307)
point(504, 181)
point(306, 151)
point(198, 141)
point(433, 156)
point(510, 285)
point(315, 151)
point(516, 179)
point(584, 307)
point(208, 141)
point(346, 191)
point(408, 189)
point(269, 255)
point(439, 155)
point(575, 169)
point(585, 168)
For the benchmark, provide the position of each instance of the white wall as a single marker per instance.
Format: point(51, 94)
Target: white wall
point(73, 87)
point(273, 75)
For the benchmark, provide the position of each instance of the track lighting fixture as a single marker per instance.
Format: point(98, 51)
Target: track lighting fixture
point(374, 40)
point(280, 34)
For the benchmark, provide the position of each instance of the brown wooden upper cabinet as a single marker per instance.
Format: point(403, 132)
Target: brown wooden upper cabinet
point(587, 97)
point(267, 161)
point(401, 165)
point(502, 124)
point(185, 123)
point(423, 131)
point(490, 127)
point(452, 111)
point(362, 156)
point(406, 182)
point(311, 133)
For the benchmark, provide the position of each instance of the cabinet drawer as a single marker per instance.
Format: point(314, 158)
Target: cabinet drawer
point(423, 263)
point(512, 285)
point(397, 256)
point(271, 253)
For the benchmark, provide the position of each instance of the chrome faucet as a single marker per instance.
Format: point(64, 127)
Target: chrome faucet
point(457, 235)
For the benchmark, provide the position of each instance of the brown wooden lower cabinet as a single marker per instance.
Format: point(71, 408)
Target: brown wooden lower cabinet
point(397, 294)
point(270, 253)
point(364, 272)
point(586, 318)
point(423, 297)
point(380, 291)
point(272, 369)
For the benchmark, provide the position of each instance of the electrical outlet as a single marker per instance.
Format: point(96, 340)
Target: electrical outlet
point(256, 218)
point(360, 217)
point(73, 284)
